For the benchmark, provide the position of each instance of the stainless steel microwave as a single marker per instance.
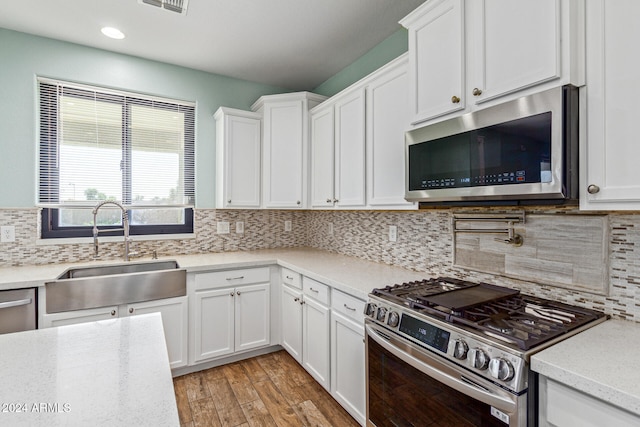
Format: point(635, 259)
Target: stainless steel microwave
point(521, 151)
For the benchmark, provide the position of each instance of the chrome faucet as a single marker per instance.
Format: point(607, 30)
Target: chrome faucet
point(124, 229)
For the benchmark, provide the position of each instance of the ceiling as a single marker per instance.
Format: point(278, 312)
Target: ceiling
point(294, 44)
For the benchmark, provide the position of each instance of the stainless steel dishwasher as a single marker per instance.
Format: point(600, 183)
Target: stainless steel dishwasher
point(17, 310)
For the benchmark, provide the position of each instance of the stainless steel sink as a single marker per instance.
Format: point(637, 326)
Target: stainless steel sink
point(105, 285)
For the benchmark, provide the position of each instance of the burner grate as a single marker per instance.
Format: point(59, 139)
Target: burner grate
point(524, 320)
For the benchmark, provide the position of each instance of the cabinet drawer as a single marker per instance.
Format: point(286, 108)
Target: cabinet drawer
point(316, 290)
point(217, 279)
point(291, 278)
point(349, 306)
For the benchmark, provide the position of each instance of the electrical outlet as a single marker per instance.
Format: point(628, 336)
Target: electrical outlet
point(393, 233)
point(239, 227)
point(7, 234)
point(330, 229)
point(223, 227)
point(287, 226)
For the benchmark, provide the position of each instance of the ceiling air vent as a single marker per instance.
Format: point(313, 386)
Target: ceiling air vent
point(178, 6)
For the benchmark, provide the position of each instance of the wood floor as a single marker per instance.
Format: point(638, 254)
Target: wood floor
point(268, 390)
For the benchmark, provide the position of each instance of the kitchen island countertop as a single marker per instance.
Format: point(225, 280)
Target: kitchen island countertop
point(112, 372)
point(598, 362)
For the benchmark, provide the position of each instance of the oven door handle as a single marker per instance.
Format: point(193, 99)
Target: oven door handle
point(444, 373)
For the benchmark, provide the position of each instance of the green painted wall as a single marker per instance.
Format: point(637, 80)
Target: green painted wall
point(24, 57)
point(389, 49)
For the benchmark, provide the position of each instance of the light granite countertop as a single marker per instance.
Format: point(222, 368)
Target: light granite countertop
point(600, 362)
point(112, 372)
point(352, 275)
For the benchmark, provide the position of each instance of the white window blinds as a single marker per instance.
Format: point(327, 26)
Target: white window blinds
point(98, 144)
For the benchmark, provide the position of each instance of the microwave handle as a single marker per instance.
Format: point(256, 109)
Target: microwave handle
point(445, 374)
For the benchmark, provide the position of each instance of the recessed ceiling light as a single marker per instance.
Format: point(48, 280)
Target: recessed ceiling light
point(114, 33)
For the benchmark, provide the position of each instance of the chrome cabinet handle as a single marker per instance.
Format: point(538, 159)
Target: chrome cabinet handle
point(15, 303)
point(238, 293)
point(296, 299)
point(314, 290)
point(232, 293)
point(349, 308)
point(455, 99)
point(235, 278)
point(335, 200)
point(131, 310)
point(298, 202)
point(113, 312)
point(289, 277)
point(229, 201)
point(476, 91)
point(593, 189)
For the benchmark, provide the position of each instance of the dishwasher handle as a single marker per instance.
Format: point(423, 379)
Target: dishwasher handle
point(15, 303)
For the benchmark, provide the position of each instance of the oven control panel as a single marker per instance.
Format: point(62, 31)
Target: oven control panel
point(456, 344)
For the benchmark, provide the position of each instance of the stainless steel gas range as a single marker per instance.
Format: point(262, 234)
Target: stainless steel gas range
point(447, 352)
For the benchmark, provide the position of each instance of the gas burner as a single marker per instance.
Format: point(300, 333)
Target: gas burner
point(522, 321)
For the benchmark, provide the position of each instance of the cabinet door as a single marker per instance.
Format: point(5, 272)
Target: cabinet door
point(213, 323)
point(349, 150)
point(315, 341)
point(284, 154)
point(292, 322)
point(387, 120)
point(347, 365)
point(514, 45)
point(322, 158)
point(242, 163)
point(79, 316)
point(612, 107)
point(174, 323)
point(252, 316)
point(436, 59)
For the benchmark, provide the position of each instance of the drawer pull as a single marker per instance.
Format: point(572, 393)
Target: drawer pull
point(113, 312)
point(235, 278)
point(349, 308)
point(296, 299)
point(314, 290)
point(289, 277)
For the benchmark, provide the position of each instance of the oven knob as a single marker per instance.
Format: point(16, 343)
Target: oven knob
point(460, 349)
point(382, 312)
point(501, 369)
point(371, 310)
point(479, 359)
point(394, 319)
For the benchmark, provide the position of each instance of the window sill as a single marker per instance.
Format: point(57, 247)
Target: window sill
point(83, 240)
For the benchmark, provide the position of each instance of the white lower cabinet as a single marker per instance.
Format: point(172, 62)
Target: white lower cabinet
point(175, 318)
point(348, 354)
point(79, 316)
point(291, 306)
point(174, 313)
point(315, 340)
point(563, 406)
point(229, 319)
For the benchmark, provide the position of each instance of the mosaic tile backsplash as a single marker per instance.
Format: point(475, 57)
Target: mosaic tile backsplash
point(425, 243)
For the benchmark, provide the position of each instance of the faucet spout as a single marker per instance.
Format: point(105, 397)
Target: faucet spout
point(125, 226)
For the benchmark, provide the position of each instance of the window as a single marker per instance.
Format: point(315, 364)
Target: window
point(98, 144)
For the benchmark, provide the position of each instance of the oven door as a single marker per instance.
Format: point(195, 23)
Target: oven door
point(411, 386)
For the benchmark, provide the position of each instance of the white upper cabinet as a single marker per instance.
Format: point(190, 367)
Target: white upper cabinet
point(610, 180)
point(238, 160)
point(463, 53)
point(349, 149)
point(436, 59)
point(322, 157)
point(514, 44)
point(357, 143)
point(387, 120)
point(285, 148)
